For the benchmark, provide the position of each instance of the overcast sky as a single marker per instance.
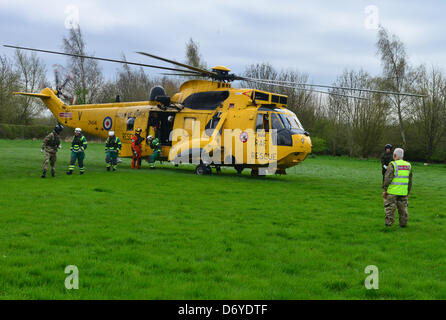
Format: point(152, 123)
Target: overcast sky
point(321, 38)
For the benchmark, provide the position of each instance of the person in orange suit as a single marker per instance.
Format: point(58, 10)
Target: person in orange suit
point(137, 149)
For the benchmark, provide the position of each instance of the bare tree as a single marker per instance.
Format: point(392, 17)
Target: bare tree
point(363, 120)
point(31, 72)
point(429, 114)
point(85, 73)
point(193, 56)
point(397, 74)
point(9, 82)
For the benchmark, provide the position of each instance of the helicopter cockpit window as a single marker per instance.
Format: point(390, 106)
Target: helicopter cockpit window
point(130, 123)
point(275, 122)
point(274, 99)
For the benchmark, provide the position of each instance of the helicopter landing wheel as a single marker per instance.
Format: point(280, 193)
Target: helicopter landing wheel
point(202, 169)
point(239, 168)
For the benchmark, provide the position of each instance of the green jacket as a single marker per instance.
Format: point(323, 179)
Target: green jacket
point(79, 143)
point(155, 145)
point(113, 143)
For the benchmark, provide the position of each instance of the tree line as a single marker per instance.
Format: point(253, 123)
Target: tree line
point(338, 125)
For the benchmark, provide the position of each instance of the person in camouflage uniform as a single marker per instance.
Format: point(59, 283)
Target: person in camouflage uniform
point(112, 147)
point(386, 158)
point(156, 147)
point(396, 189)
point(51, 144)
point(78, 146)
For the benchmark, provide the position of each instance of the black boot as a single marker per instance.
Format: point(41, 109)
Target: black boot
point(43, 174)
point(69, 172)
point(82, 172)
point(108, 168)
point(53, 173)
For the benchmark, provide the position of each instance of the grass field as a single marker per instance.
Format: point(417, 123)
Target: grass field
point(169, 234)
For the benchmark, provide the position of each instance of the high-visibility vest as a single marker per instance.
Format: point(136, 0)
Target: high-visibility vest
point(400, 183)
point(79, 143)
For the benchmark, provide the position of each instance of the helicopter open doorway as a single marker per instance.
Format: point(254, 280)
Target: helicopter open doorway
point(160, 125)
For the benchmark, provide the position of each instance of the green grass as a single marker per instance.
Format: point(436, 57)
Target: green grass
point(169, 234)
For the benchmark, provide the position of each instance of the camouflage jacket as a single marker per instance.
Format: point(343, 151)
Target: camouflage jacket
point(388, 177)
point(51, 142)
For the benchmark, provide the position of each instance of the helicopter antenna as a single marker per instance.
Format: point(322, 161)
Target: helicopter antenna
point(342, 88)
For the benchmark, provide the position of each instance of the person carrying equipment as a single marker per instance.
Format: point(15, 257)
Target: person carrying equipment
point(156, 147)
point(137, 149)
point(78, 146)
point(112, 148)
point(51, 144)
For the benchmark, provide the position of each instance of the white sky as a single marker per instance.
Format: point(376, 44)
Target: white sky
point(321, 38)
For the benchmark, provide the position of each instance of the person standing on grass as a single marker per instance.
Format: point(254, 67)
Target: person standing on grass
point(136, 149)
point(112, 148)
point(386, 158)
point(396, 189)
point(51, 144)
point(78, 146)
point(156, 147)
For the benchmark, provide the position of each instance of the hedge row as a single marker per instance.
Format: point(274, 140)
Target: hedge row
point(16, 131)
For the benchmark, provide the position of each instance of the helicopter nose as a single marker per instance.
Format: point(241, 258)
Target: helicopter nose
point(302, 143)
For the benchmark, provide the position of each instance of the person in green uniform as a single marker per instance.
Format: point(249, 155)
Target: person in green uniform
point(112, 148)
point(396, 189)
point(156, 147)
point(51, 144)
point(78, 146)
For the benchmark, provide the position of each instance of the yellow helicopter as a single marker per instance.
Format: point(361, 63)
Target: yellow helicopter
point(208, 122)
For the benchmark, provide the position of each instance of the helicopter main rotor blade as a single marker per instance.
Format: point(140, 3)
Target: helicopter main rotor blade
point(343, 88)
point(304, 89)
point(184, 74)
point(96, 58)
point(210, 73)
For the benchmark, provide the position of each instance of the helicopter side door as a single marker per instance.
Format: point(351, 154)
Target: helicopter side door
point(262, 130)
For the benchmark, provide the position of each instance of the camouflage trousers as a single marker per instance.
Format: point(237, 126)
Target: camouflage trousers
point(51, 158)
point(391, 202)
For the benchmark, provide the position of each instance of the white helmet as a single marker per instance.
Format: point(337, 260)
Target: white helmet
point(78, 130)
point(150, 137)
point(111, 133)
point(170, 118)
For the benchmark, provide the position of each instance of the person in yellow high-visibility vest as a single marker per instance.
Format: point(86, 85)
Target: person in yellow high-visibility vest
point(396, 188)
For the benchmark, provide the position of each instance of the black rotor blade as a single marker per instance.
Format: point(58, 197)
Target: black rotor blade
point(96, 58)
point(184, 74)
point(342, 88)
point(178, 64)
point(304, 89)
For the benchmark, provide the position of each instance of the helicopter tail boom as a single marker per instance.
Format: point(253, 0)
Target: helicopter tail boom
point(56, 106)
